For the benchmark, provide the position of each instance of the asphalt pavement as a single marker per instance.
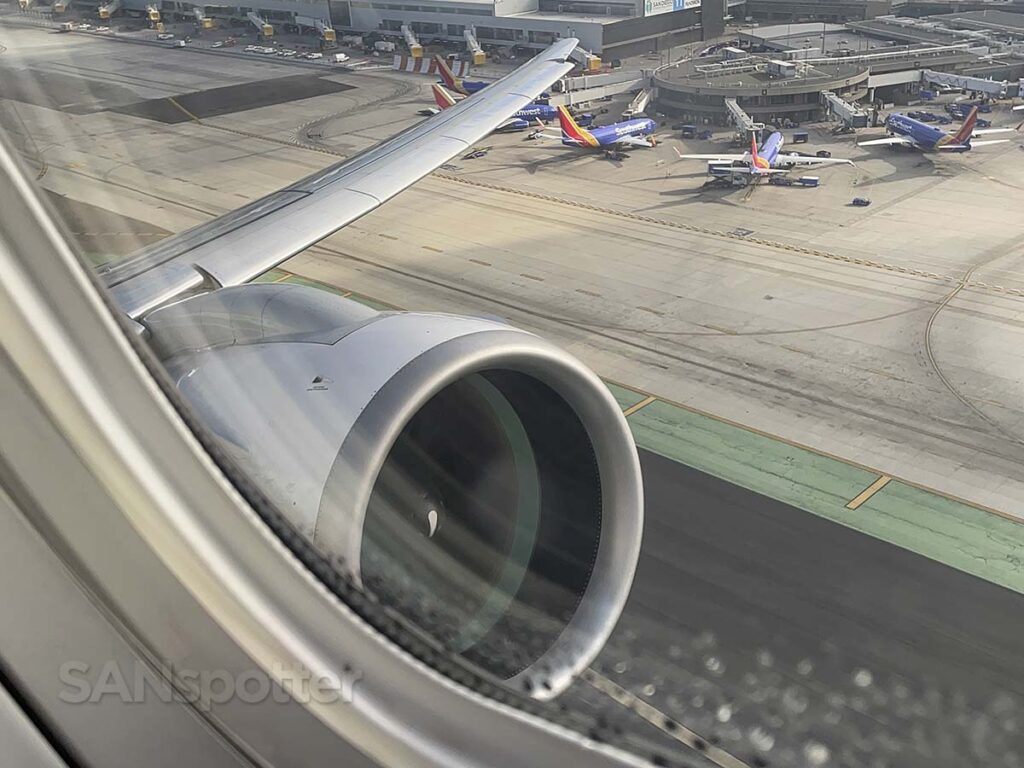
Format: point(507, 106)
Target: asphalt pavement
point(790, 640)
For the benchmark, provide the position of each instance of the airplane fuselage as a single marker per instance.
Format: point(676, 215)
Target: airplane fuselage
point(769, 153)
point(543, 112)
point(926, 137)
point(610, 135)
point(469, 87)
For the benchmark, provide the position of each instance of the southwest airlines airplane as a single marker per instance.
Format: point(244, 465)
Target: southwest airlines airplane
point(908, 132)
point(457, 84)
point(520, 121)
point(766, 160)
point(627, 134)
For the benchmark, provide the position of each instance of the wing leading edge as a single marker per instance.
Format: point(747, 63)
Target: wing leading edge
point(236, 247)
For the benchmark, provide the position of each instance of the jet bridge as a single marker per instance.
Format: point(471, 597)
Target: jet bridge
point(743, 121)
point(261, 24)
point(202, 20)
point(586, 59)
point(638, 105)
point(327, 33)
point(415, 49)
point(850, 115)
point(479, 57)
point(109, 9)
point(323, 28)
point(995, 88)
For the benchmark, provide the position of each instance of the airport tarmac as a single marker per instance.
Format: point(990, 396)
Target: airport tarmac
point(785, 309)
point(888, 336)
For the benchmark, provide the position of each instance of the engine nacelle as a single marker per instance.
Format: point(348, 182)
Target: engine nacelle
point(477, 479)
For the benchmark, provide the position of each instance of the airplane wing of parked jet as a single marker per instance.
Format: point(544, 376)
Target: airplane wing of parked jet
point(635, 141)
point(794, 159)
point(239, 246)
point(714, 158)
point(905, 141)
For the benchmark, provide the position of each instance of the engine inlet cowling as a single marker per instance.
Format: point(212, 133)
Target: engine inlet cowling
point(476, 479)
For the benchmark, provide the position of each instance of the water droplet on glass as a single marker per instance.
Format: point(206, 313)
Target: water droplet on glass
point(862, 678)
point(794, 700)
point(714, 665)
point(724, 713)
point(804, 667)
point(765, 658)
point(648, 690)
point(817, 754)
point(761, 739)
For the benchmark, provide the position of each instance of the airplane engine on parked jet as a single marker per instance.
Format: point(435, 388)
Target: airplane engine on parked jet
point(480, 482)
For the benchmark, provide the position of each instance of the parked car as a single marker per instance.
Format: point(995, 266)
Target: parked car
point(165, 36)
point(475, 154)
point(861, 202)
point(823, 153)
point(218, 44)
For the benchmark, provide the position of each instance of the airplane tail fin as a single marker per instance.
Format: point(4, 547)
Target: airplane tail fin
point(445, 71)
point(755, 157)
point(442, 97)
point(963, 136)
point(570, 129)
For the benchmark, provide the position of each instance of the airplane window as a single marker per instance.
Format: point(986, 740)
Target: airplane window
point(667, 390)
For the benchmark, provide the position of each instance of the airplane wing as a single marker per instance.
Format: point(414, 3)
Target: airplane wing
point(987, 143)
point(634, 141)
point(905, 141)
point(712, 158)
point(804, 160)
point(241, 245)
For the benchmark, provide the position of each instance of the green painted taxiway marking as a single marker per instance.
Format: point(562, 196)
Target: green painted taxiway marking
point(799, 477)
point(959, 535)
point(626, 398)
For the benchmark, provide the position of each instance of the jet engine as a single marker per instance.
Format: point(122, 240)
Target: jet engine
point(473, 477)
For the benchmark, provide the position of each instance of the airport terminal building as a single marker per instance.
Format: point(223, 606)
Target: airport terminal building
point(768, 90)
point(611, 28)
